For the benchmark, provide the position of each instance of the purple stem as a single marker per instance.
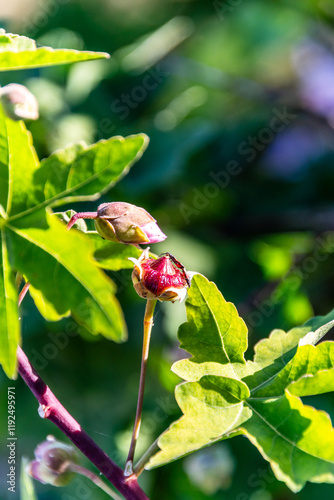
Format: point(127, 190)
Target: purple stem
point(54, 411)
point(81, 215)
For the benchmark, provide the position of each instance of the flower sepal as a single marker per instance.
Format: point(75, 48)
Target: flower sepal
point(163, 279)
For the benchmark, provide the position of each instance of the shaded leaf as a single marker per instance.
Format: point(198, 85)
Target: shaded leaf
point(298, 440)
point(20, 52)
point(112, 256)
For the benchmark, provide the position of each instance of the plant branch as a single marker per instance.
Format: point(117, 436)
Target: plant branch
point(95, 479)
point(23, 292)
point(54, 411)
point(148, 324)
point(140, 465)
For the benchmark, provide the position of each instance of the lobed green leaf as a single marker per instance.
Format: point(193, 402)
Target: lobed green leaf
point(82, 172)
point(214, 334)
point(296, 439)
point(212, 408)
point(20, 52)
point(226, 396)
point(59, 264)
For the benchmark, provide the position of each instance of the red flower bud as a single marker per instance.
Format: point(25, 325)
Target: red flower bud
point(164, 278)
point(18, 102)
point(125, 223)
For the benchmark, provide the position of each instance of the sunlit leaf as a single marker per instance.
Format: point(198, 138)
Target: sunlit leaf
point(229, 396)
point(17, 192)
point(9, 321)
point(214, 334)
point(212, 408)
point(59, 263)
point(20, 52)
point(27, 490)
point(82, 172)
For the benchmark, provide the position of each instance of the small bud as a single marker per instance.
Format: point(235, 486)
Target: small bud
point(125, 223)
point(52, 463)
point(18, 102)
point(164, 278)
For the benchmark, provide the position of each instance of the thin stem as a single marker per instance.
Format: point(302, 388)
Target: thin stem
point(148, 323)
point(23, 292)
point(18, 280)
point(54, 411)
point(95, 479)
point(81, 215)
point(140, 465)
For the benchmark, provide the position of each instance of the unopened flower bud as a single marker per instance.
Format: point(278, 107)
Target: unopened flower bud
point(18, 102)
point(52, 463)
point(164, 278)
point(125, 223)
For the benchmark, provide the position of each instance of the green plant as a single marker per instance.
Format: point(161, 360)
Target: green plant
point(222, 395)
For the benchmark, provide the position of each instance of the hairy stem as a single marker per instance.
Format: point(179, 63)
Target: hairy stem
point(148, 323)
point(54, 411)
point(81, 215)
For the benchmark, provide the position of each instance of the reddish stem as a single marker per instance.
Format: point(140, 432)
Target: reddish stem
point(23, 292)
point(81, 215)
point(54, 411)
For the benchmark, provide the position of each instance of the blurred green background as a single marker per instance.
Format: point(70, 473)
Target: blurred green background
point(237, 97)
